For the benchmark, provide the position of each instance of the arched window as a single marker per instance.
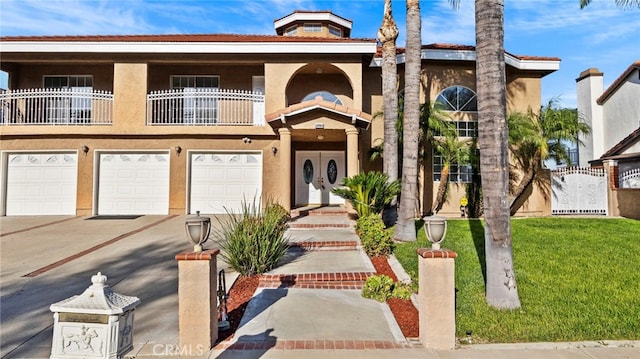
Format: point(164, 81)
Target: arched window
point(326, 96)
point(457, 98)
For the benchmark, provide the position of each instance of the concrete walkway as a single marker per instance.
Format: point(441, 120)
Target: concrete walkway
point(46, 259)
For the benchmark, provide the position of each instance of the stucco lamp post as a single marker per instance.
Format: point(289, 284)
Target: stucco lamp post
point(198, 229)
point(436, 228)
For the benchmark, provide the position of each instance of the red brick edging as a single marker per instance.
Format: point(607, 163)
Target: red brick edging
point(345, 280)
point(325, 245)
point(94, 248)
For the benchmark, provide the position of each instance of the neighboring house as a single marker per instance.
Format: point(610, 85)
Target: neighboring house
point(613, 113)
point(174, 124)
point(614, 116)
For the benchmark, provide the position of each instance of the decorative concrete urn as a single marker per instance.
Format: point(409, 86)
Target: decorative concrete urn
point(96, 324)
point(435, 228)
point(198, 229)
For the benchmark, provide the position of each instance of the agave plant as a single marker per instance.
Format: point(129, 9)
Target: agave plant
point(368, 192)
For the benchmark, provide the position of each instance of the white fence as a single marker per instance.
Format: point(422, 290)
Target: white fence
point(578, 190)
point(56, 106)
point(630, 179)
point(205, 107)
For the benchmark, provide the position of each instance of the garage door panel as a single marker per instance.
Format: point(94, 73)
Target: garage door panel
point(133, 183)
point(220, 180)
point(41, 184)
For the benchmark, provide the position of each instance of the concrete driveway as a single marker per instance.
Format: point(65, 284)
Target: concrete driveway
point(47, 259)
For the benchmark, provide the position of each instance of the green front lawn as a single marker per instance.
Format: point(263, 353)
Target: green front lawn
point(578, 279)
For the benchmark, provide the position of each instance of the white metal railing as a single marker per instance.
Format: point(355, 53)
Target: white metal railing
point(205, 107)
point(56, 106)
point(630, 179)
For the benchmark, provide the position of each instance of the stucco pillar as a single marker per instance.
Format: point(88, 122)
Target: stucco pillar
point(197, 300)
point(352, 152)
point(129, 97)
point(437, 298)
point(285, 167)
point(612, 171)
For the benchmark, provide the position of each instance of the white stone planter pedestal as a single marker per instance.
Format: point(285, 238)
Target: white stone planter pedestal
point(96, 324)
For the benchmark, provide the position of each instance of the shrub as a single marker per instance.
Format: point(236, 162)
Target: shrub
point(378, 287)
point(252, 242)
point(375, 240)
point(381, 287)
point(368, 192)
point(401, 290)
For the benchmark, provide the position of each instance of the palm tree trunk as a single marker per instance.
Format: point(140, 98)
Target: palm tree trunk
point(501, 289)
point(525, 182)
point(405, 229)
point(442, 189)
point(387, 34)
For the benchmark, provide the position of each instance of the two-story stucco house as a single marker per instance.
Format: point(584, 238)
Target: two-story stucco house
point(173, 124)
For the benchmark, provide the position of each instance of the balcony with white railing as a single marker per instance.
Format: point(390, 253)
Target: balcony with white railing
point(56, 106)
point(205, 107)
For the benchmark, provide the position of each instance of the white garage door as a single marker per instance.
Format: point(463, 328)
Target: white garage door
point(42, 184)
point(133, 183)
point(224, 180)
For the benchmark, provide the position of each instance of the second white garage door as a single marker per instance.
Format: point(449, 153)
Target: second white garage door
point(133, 183)
point(223, 180)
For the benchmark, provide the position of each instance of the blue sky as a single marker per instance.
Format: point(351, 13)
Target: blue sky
point(600, 35)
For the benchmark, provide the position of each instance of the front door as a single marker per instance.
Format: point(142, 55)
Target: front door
point(317, 172)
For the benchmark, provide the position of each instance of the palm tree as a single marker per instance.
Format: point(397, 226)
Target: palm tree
point(621, 3)
point(405, 229)
point(387, 34)
point(501, 288)
point(534, 138)
point(453, 151)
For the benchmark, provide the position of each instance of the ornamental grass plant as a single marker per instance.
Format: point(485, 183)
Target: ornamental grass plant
point(578, 279)
point(253, 241)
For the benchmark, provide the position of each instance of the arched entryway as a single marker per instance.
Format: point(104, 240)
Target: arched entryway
point(318, 148)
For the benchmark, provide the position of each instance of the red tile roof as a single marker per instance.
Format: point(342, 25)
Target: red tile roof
point(180, 38)
point(619, 81)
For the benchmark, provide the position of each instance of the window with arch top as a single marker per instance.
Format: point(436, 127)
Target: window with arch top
point(326, 96)
point(457, 99)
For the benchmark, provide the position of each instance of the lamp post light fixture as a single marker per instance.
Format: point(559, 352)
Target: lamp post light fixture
point(198, 229)
point(436, 228)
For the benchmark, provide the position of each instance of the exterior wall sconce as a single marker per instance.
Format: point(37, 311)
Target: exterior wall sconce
point(246, 140)
point(198, 229)
point(274, 150)
point(178, 150)
point(436, 229)
point(85, 149)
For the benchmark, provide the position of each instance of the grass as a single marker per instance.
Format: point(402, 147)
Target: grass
point(578, 279)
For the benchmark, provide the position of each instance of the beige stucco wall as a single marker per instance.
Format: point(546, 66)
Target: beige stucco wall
point(626, 202)
point(129, 97)
point(282, 80)
point(178, 162)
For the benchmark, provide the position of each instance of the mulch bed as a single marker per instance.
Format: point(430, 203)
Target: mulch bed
point(403, 310)
point(243, 288)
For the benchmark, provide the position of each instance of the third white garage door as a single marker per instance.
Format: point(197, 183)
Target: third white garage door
point(222, 180)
